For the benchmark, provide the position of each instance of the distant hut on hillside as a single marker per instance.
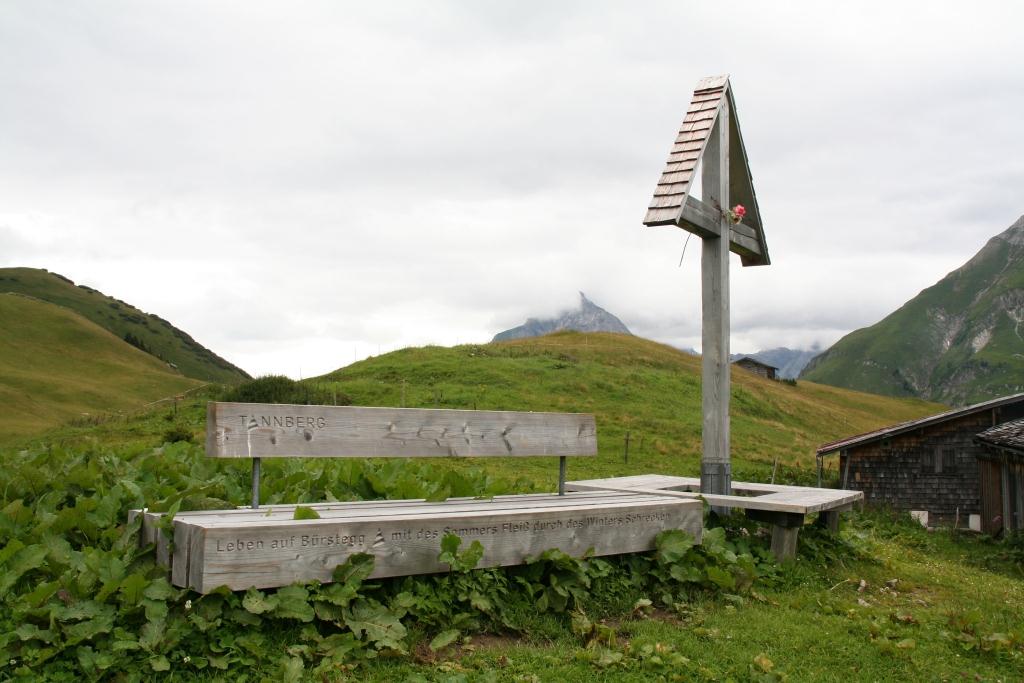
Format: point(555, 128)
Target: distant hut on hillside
point(963, 466)
point(757, 367)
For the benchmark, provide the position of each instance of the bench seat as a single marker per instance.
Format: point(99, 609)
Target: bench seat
point(784, 507)
point(267, 547)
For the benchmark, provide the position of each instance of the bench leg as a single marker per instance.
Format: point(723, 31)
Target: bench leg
point(829, 519)
point(785, 531)
point(784, 542)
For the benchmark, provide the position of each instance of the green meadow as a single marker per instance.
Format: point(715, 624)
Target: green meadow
point(882, 600)
point(56, 367)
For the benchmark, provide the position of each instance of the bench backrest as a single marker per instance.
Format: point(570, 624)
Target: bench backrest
point(256, 430)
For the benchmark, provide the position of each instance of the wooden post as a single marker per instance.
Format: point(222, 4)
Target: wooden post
point(255, 483)
point(716, 471)
point(785, 531)
point(625, 452)
point(829, 519)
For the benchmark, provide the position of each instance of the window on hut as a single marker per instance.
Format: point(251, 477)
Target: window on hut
point(948, 461)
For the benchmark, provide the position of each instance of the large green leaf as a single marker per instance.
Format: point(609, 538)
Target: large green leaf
point(302, 512)
point(356, 568)
point(160, 589)
point(720, 578)
point(293, 603)
point(86, 630)
point(292, 670)
point(25, 559)
point(444, 639)
point(673, 544)
point(257, 602)
point(380, 626)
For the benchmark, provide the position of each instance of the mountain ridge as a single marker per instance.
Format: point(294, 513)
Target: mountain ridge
point(958, 341)
point(145, 331)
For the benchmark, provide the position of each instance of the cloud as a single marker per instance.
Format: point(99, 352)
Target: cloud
point(295, 183)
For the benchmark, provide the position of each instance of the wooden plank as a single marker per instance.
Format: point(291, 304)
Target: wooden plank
point(151, 533)
point(700, 115)
point(707, 96)
point(701, 219)
point(376, 508)
point(743, 245)
point(711, 82)
point(687, 145)
point(682, 159)
point(784, 542)
point(659, 202)
point(683, 166)
point(661, 216)
point(179, 557)
point(682, 176)
point(743, 229)
point(769, 497)
point(721, 500)
point(703, 104)
point(271, 554)
point(829, 519)
point(246, 430)
point(671, 189)
point(698, 127)
point(715, 366)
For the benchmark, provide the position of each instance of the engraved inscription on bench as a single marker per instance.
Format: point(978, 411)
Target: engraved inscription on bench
point(283, 421)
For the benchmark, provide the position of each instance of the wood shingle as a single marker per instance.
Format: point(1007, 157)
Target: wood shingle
point(672, 202)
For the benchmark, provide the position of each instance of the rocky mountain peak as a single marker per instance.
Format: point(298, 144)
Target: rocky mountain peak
point(1014, 234)
point(589, 317)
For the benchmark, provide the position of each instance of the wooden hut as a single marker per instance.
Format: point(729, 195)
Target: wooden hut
point(1001, 465)
point(939, 464)
point(757, 367)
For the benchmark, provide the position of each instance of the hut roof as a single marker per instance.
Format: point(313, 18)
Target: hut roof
point(903, 427)
point(751, 359)
point(1008, 436)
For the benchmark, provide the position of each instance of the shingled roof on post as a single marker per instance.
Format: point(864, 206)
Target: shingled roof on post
point(672, 203)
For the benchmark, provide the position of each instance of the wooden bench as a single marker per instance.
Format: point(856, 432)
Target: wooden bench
point(264, 546)
point(784, 507)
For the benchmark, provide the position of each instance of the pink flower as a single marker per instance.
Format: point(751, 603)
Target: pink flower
point(736, 213)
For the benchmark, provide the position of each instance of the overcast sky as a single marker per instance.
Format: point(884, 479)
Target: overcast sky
point(299, 184)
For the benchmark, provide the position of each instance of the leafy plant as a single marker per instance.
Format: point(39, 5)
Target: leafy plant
point(178, 433)
point(281, 389)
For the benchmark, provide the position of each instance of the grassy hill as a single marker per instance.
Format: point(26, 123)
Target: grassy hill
point(958, 341)
point(631, 385)
point(55, 365)
point(885, 600)
point(146, 331)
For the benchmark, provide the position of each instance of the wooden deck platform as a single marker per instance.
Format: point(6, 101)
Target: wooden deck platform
point(267, 547)
point(782, 506)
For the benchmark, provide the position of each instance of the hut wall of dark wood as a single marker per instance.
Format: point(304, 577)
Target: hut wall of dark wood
point(934, 468)
point(1002, 490)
